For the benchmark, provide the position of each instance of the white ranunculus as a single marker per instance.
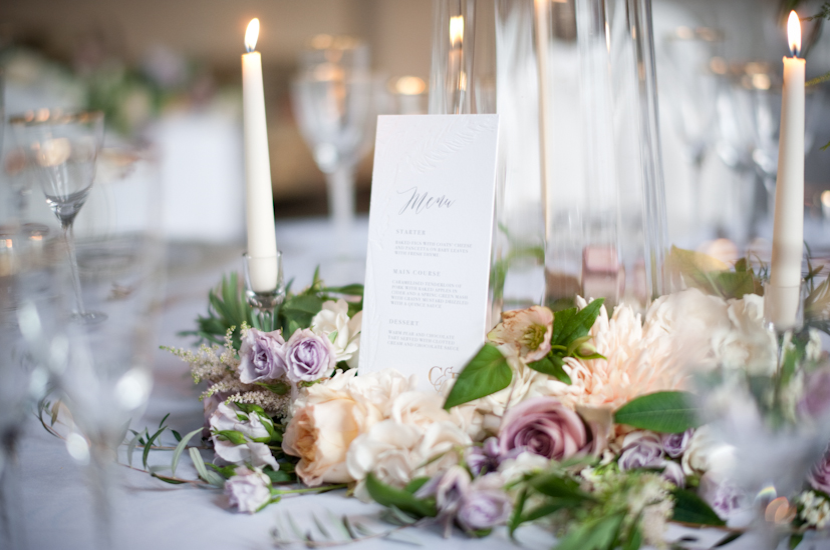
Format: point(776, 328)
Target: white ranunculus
point(334, 320)
point(248, 490)
point(512, 469)
point(396, 452)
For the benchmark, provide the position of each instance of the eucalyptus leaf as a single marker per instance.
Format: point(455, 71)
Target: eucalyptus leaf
point(177, 453)
point(131, 448)
point(662, 412)
point(485, 374)
point(149, 444)
point(211, 477)
point(795, 540)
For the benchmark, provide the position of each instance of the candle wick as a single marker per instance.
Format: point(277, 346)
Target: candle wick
point(248, 49)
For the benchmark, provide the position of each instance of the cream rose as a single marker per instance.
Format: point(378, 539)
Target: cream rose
point(330, 415)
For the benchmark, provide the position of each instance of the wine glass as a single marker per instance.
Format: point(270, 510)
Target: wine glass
point(103, 372)
point(692, 91)
point(333, 102)
point(61, 149)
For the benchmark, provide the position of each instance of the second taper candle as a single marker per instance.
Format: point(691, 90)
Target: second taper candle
point(781, 306)
point(262, 241)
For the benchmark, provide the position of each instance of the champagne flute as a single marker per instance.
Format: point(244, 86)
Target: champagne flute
point(333, 103)
point(61, 149)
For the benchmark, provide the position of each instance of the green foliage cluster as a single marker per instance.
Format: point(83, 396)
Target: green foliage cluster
point(228, 309)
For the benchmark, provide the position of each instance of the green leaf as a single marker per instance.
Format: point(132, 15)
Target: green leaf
point(166, 416)
point(226, 472)
point(795, 540)
point(176, 435)
point(485, 374)
point(211, 477)
point(179, 448)
point(690, 508)
point(595, 535)
point(148, 445)
point(305, 303)
point(278, 476)
point(734, 285)
point(415, 484)
point(556, 486)
point(390, 496)
point(234, 436)
point(568, 324)
point(635, 538)
point(349, 290)
point(662, 412)
point(552, 366)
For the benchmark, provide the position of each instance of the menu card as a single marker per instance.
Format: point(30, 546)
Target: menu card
point(430, 236)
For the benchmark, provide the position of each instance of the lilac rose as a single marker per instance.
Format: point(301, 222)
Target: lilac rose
point(816, 398)
point(486, 458)
point(641, 450)
point(484, 509)
point(726, 499)
point(675, 445)
point(545, 427)
point(262, 356)
point(248, 490)
point(673, 472)
point(819, 476)
point(308, 357)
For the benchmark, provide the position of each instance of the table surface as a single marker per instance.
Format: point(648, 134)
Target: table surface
point(152, 514)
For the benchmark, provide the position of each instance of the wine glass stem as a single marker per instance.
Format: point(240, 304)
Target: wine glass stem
point(341, 206)
point(69, 237)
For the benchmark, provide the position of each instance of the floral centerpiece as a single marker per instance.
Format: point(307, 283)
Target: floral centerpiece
point(581, 420)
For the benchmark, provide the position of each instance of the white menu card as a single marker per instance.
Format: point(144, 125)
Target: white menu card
point(430, 236)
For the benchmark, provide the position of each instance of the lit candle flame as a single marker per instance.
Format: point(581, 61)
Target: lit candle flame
point(251, 35)
point(794, 33)
point(456, 30)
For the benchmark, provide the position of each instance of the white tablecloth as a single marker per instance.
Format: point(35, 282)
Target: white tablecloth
point(151, 514)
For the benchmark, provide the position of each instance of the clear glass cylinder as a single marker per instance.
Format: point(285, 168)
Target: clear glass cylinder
point(605, 205)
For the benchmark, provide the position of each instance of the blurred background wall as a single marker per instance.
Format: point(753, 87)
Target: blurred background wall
point(169, 70)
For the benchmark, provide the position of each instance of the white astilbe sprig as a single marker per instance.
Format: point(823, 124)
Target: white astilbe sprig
point(272, 404)
point(210, 363)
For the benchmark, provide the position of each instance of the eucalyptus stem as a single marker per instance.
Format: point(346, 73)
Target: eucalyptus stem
point(322, 489)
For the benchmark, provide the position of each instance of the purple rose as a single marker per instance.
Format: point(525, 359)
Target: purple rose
point(816, 398)
point(308, 357)
point(675, 445)
point(483, 459)
point(449, 489)
point(673, 472)
point(543, 426)
point(819, 476)
point(262, 356)
point(641, 450)
point(484, 509)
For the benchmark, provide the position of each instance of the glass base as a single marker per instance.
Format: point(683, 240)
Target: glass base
point(271, 268)
point(88, 318)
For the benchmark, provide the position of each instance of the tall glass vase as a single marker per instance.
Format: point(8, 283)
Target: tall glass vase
point(604, 187)
point(483, 61)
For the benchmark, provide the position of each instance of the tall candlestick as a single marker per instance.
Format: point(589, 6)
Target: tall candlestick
point(262, 241)
point(788, 229)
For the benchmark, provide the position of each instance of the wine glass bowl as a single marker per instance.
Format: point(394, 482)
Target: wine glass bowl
point(60, 151)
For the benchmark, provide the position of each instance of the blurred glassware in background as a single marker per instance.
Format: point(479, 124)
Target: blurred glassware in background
point(749, 115)
point(407, 96)
point(335, 103)
point(60, 150)
point(102, 373)
point(692, 92)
